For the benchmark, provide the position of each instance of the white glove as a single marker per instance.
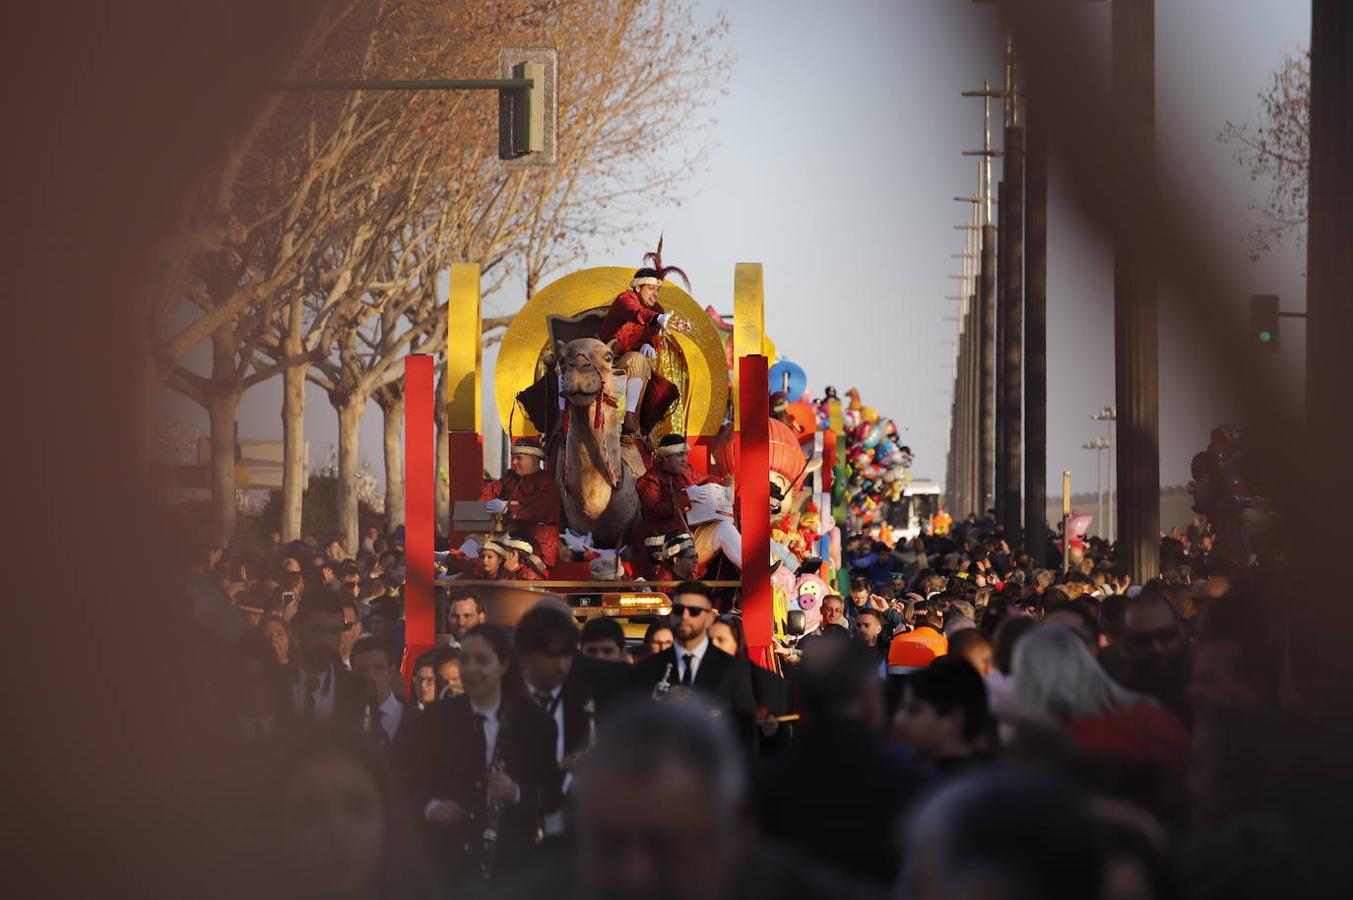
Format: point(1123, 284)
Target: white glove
point(647, 350)
point(662, 319)
point(495, 506)
point(578, 543)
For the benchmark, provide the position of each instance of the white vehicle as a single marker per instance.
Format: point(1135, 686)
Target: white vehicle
point(912, 511)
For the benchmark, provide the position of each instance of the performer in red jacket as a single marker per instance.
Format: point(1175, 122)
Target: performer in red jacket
point(528, 499)
point(665, 500)
point(680, 560)
point(636, 322)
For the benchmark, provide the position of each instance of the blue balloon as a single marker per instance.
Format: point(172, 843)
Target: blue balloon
point(798, 379)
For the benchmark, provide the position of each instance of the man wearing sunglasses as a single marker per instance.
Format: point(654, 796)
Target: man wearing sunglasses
point(1156, 652)
point(697, 665)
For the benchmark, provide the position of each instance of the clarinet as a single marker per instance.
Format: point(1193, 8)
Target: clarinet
point(662, 687)
point(493, 809)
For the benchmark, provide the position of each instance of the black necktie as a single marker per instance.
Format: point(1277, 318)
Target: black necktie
point(688, 676)
point(548, 703)
point(311, 685)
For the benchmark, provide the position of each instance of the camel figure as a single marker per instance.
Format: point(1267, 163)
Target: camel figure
point(596, 475)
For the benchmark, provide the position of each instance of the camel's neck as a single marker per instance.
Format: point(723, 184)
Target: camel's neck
point(593, 461)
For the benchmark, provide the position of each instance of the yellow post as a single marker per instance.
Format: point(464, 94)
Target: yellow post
point(464, 342)
point(749, 320)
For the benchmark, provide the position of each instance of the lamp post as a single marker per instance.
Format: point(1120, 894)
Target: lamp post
point(1110, 414)
point(1099, 445)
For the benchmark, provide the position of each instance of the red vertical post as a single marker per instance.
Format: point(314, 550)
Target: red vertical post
point(754, 488)
point(420, 616)
point(465, 468)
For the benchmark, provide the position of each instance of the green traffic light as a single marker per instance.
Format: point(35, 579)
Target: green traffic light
point(1265, 337)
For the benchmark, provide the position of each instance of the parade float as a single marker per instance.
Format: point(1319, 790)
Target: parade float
point(559, 387)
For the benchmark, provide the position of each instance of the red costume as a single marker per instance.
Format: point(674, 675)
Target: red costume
point(536, 511)
point(661, 572)
point(473, 568)
point(631, 324)
point(662, 499)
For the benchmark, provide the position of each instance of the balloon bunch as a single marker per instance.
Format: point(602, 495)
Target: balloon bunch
point(878, 464)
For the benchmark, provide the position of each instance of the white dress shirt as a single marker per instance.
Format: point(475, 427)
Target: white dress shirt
point(324, 693)
point(490, 729)
point(392, 711)
point(698, 651)
point(554, 822)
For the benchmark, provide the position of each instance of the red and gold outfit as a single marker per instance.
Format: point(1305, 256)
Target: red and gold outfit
point(662, 499)
point(534, 504)
point(631, 324)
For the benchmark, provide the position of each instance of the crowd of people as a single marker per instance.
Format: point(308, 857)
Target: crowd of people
point(964, 723)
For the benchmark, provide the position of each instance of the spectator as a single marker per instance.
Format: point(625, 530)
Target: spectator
point(658, 638)
point(424, 692)
point(275, 629)
point(803, 796)
point(341, 824)
point(943, 720)
point(352, 629)
point(386, 719)
point(316, 685)
point(446, 662)
point(1059, 685)
point(768, 687)
point(833, 613)
point(603, 638)
point(1156, 655)
point(464, 611)
point(972, 646)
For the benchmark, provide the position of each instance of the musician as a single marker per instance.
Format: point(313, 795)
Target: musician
point(527, 498)
point(680, 560)
point(636, 321)
point(665, 499)
point(490, 763)
point(546, 640)
point(693, 662)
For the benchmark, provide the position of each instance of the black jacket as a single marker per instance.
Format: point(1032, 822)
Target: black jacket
point(352, 696)
point(724, 680)
point(453, 756)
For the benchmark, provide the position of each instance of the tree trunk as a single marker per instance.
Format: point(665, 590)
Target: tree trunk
point(222, 405)
point(391, 401)
point(293, 450)
point(350, 408)
point(442, 494)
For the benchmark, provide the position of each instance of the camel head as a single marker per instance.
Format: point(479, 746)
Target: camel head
point(585, 366)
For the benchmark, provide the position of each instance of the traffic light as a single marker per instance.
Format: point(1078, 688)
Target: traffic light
point(1264, 320)
point(528, 119)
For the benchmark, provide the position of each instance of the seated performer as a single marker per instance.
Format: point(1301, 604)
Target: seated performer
point(665, 497)
point(636, 322)
point(528, 499)
point(484, 567)
point(522, 563)
point(504, 558)
point(680, 561)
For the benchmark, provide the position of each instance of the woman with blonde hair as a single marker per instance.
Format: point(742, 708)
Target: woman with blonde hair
point(1059, 684)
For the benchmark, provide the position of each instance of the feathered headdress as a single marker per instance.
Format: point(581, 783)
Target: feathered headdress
point(654, 272)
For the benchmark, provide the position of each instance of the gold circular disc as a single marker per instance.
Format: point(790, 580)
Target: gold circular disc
point(528, 337)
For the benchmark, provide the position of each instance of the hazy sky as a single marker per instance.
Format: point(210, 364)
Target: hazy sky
point(837, 158)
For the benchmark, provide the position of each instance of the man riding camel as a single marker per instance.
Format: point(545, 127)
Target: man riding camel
point(668, 491)
point(528, 499)
point(637, 322)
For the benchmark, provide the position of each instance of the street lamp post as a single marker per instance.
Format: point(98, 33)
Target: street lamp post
point(1099, 445)
point(1110, 414)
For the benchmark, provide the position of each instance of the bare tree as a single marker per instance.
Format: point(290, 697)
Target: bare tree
point(1277, 150)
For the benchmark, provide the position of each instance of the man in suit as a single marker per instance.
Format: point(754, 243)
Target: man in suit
point(315, 686)
point(390, 723)
point(546, 640)
point(693, 663)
